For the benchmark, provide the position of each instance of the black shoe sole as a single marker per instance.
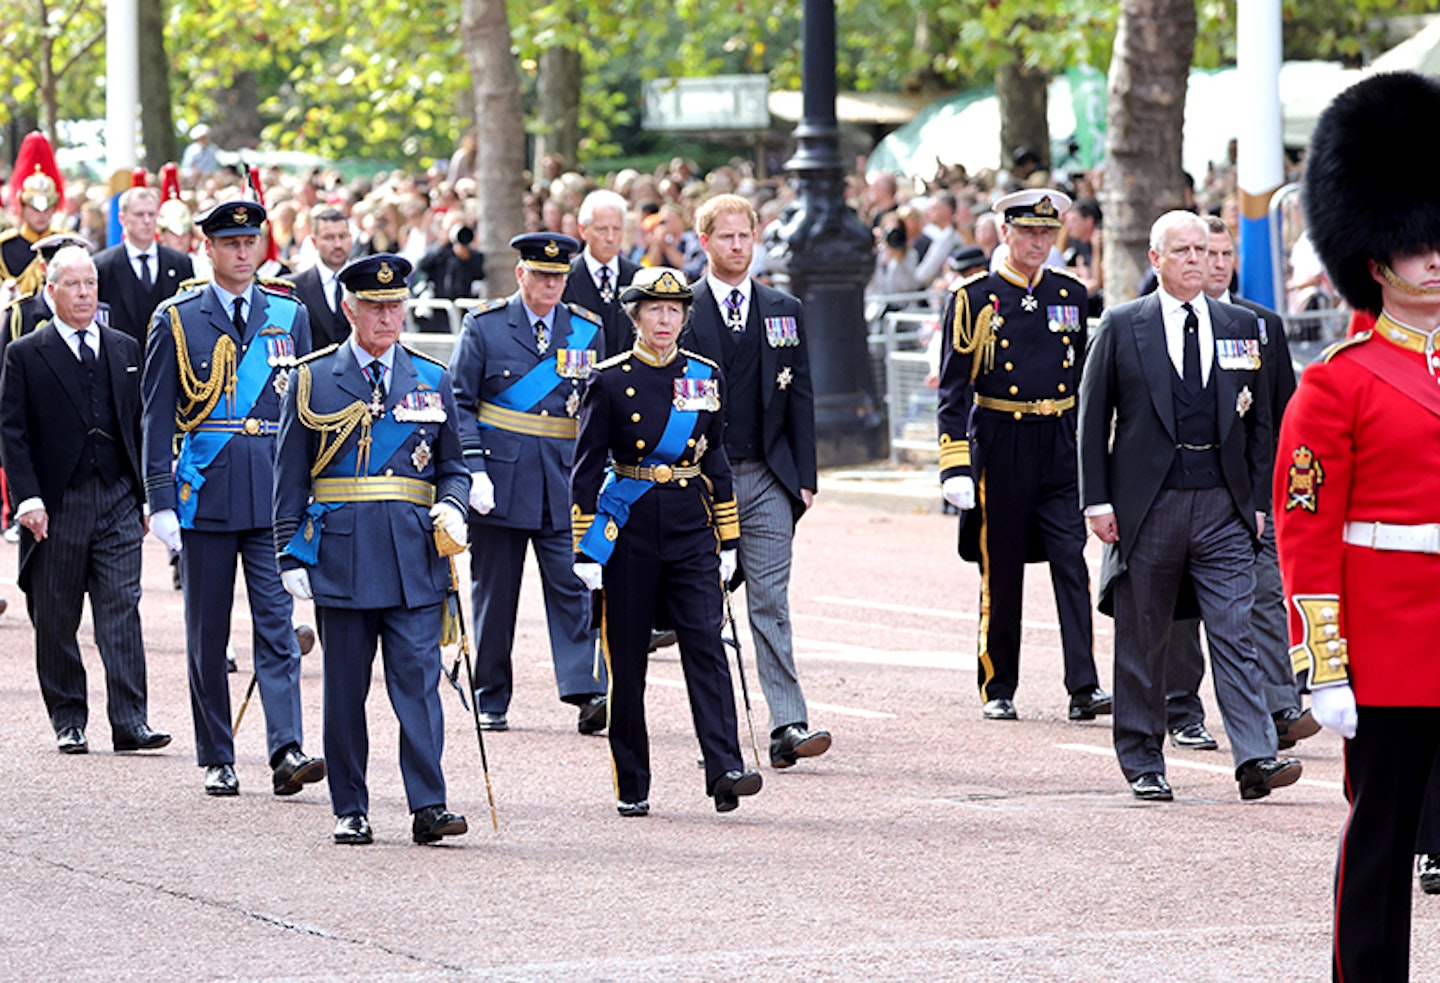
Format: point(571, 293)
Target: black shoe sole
point(812, 747)
point(150, 746)
point(222, 790)
point(1090, 713)
point(312, 772)
point(456, 828)
point(1430, 884)
point(1285, 776)
point(354, 840)
point(75, 749)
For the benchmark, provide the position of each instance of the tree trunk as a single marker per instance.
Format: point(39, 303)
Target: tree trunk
point(1149, 71)
point(558, 92)
point(500, 154)
point(1024, 95)
point(157, 126)
point(237, 124)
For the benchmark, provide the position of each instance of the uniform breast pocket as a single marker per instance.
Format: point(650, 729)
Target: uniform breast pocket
point(500, 375)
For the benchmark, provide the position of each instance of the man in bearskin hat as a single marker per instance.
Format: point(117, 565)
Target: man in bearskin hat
point(1356, 479)
point(36, 192)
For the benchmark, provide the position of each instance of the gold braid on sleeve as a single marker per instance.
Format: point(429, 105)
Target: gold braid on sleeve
point(202, 394)
point(334, 428)
point(973, 336)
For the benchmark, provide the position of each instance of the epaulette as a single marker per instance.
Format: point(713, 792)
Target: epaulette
point(1345, 343)
point(192, 283)
point(493, 304)
point(614, 360)
point(698, 357)
point(274, 285)
point(960, 285)
point(1065, 271)
point(321, 353)
point(22, 298)
point(586, 313)
point(417, 353)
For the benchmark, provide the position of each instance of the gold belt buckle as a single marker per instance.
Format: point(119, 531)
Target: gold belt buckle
point(663, 473)
point(252, 426)
point(1045, 407)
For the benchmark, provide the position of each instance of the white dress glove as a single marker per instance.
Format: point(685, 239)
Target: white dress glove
point(448, 517)
point(1334, 709)
point(727, 565)
point(592, 575)
point(165, 525)
point(959, 491)
point(482, 493)
point(297, 583)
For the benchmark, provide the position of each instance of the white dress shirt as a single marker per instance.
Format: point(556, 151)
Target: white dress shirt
point(1173, 313)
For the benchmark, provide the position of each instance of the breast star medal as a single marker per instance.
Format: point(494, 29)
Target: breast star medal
point(281, 383)
point(377, 403)
point(786, 376)
point(421, 455)
point(572, 403)
point(1029, 303)
point(1244, 401)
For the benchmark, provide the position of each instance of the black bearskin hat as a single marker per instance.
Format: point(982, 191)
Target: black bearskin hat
point(1359, 201)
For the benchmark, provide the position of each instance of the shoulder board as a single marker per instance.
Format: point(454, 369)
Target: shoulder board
point(960, 285)
point(493, 304)
point(586, 313)
point(316, 354)
point(417, 353)
point(615, 360)
point(1064, 271)
point(273, 285)
point(1341, 346)
point(22, 298)
point(698, 357)
point(192, 283)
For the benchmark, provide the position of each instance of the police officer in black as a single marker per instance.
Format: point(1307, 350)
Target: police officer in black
point(655, 524)
point(1009, 373)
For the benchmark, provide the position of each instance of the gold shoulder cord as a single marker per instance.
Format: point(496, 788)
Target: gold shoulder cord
point(333, 428)
point(204, 394)
point(16, 322)
point(978, 341)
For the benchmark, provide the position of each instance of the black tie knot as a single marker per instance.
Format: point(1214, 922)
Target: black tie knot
point(82, 345)
point(239, 317)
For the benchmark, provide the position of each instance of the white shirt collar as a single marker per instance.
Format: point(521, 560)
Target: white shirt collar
point(364, 358)
point(135, 253)
point(720, 290)
point(594, 265)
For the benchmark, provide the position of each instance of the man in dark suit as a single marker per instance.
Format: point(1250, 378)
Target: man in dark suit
point(70, 423)
point(1185, 665)
point(1175, 450)
point(517, 369)
point(319, 287)
point(600, 273)
point(216, 365)
point(757, 335)
point(137, 273)
point(348, 515)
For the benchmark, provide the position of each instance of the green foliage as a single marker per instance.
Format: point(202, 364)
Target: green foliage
point(62, 33)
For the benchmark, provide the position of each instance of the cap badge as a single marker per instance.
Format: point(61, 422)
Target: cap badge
point(1045, 208)
point(551, 249)
point(667, 284)
point(241, 216)
point(385, 274)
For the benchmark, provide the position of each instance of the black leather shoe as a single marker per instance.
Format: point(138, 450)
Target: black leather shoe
point(354, 828)
point(1000, 710)
point(71, 740)
point(230, 665)
point(1152, 787)
point(593, 715)
point(143, 739)
point(733, 784)
point(1292, 725)
point(641, 808)
point(295, 768)
point(493, 721)
point(1193, 737)
point(433, 822)
point(221, 780)
point(793, 742)
point(1089, 704)
point(1259, 777)
point(1428, 864)
point(305, 638)
point(175, 571)
point(661, 639)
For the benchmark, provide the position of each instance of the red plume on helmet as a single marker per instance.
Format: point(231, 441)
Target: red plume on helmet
point(139, 178)
point(36, 174)
point(169, 181)
point(272, 251)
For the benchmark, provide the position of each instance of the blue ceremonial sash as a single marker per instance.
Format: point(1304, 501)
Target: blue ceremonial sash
point(199, 449)
point(541, 381)
point(617, 495)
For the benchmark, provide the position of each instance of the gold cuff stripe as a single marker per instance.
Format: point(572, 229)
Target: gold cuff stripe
point(728, 531)
point(1322, 654)
point(580, 523)
point(378, 489)
point(953, 453)
point(529, 424)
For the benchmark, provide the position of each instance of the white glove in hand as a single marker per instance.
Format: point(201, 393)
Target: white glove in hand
point(1334, 709)
point(959, 491)
point(165, 525)
point(592, 575)
point(297, 583)
point(727, 565)
point(448, 517)
point(482, 493)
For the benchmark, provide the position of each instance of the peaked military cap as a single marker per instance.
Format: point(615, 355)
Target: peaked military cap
point(545, 252)
point(381, 277)
point(232, 218)
point(657, 283)
point(47, 246)
point(1034, 207)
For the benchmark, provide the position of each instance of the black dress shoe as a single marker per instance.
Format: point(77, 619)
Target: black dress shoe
point(1089, 704)
point(305, 638)
point(1193, 737)
point(793, 742)
point(295, 768)
point(354, 828)
point(433, 822)
point(1000, 710)
point(1428, 865)
point(493, 721)
point(71, 740)
point(1293, 724)
point(641, 808)
point(733, 784)
point(661, 639)
point(593, 715)
point(1152, 787)
point(143, 739)
point(221, 780)
point(175, 571)
point(1259, 777)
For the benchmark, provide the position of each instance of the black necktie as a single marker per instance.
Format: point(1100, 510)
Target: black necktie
point(239, 319)
point(87, 354)
point(607, 292)
point(145, 280)
point(375, 372)
point(335, 295)
point(1192, 349)
point(732, 311)
point(542, 337)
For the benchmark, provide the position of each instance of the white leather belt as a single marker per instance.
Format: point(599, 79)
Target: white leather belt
point(1388, 536)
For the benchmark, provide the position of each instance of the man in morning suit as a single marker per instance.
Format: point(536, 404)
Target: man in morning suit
point(70, 426)
point(600, 273)
point(137, 273)
point(517, 369)
point(216, 365)
point(1007, 426)
point(1175, 450)
point(319, 287)
point(28, 311)
point(369, 460)
point(756, 334)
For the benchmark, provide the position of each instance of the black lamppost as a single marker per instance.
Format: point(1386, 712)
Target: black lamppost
point(824, 254)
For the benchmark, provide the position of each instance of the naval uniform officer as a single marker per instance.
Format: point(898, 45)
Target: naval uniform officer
point(1008, 379)
point(216, 363)
point(369, 460)
point(656, 523)
point(517, 369)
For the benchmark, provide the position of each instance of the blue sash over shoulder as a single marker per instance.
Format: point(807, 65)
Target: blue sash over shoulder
point(541, 381)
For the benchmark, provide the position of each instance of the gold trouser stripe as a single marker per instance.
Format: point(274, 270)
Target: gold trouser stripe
point(378, 489)
point(661, 473)
point(530, 424)
point(1035, 407)
point(983, 642)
